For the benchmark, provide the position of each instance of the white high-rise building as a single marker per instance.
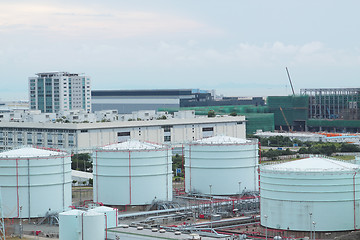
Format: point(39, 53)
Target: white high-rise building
point(59, 91)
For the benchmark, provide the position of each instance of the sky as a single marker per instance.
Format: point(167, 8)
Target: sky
point(237, 47)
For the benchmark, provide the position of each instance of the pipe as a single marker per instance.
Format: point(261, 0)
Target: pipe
point(106, 226)
point(17, 188)
point(82, 226)
point(130, 177)
point(29, 199)
point(354, 188)
point(190, 166)
point(183, 165)
point(97, 178)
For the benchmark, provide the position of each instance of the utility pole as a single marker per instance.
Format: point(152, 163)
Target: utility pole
point(2, 225)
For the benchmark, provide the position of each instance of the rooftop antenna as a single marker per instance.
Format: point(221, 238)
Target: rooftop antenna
point(292, 88)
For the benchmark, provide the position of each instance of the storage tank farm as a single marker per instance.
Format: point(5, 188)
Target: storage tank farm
point(315, 193)
point(132, 173)
point(221, 164)
point(34, 181)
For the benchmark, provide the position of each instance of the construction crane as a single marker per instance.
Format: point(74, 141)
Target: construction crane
point(292, 88)
point(287, 123)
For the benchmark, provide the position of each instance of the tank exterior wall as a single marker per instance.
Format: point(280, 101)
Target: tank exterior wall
point(223, 167)
point(37, 185)
point(293, 200)
point(78, 225)
point(132, 177)
point(110, 213)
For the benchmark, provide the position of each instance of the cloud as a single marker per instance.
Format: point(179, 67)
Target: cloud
point(91, 21)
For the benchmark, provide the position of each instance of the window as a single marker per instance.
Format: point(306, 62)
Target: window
point(167, 128)
point(121, 134)
point(29, 138)
point(208, 129)
point(167, 138)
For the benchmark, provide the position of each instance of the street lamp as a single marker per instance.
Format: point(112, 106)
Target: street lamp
point(310, 214)
point(239, 190)
point(314, 223)
point(20, 224)
point(265, 216)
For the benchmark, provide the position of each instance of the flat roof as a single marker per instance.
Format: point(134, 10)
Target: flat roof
point(122, 124)
point(151, 92)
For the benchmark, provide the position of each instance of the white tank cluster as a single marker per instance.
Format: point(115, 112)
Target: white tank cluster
point(78, 225)
point(223, 165)
point(312, 194)
point(132, 173)
point(34, 181)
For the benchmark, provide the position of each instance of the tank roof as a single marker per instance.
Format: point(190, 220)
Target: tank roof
point(313, 164)
point(133, 145)
point(29, 152)
point(221, 140)
point(76, 212)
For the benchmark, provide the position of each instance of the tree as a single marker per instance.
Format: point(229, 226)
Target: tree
point(177, 161)
point(211, 113)
point(81, 162)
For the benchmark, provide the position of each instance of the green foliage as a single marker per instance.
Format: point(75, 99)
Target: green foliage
point(177, 161)
point(273, 154)
point(81, 162)
point(163, 117)
point(211, 113)
point(346, 147)
point(91, 181)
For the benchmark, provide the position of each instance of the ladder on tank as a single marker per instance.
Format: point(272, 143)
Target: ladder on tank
point(2, 225)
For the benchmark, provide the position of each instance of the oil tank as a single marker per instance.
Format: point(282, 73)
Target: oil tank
point(35, 181)
point(111, 215)
point(316, 193)
point(78, 225)
point(132, 173)
point(228, 164)
point(357, 159)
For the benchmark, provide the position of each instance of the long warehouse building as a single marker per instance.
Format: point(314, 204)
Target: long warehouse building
point(72, 136)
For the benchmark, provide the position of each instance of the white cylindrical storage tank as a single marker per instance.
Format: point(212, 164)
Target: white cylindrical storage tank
point(132, 173)
point(315, 191)
point(357, 159)
point(35, 181)
point(111, 215)
point(228, 164)
point(79, 225)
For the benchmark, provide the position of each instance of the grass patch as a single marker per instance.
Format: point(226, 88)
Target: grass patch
point(346, 158)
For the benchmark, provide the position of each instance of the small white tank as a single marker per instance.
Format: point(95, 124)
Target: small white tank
point(35, 181)
point(111, 215)
point(228, 164)
point(80, 225)
point(132, 173)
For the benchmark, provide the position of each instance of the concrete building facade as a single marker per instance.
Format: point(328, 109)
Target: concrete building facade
point(52, 92)
point(75, 136)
